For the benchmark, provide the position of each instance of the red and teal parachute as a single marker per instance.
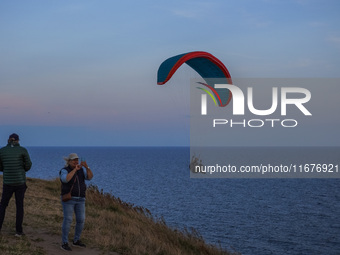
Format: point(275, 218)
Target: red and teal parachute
point(206, 65)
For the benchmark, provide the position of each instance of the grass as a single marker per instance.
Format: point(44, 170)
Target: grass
point(111, 225)
point(15, 246)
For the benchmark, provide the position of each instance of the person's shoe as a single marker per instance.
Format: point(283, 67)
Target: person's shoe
point(65, 247)
point(19, 234)
point(79, 244)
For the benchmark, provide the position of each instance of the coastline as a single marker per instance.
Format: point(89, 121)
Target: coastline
point(112, 226)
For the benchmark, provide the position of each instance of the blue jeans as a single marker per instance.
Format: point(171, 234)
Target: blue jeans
point(76, 205)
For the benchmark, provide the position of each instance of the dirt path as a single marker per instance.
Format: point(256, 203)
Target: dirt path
point(51, 243)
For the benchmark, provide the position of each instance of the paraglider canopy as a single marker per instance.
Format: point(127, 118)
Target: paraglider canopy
point(206, 65)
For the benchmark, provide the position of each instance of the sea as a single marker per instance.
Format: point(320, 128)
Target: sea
point(247, 215)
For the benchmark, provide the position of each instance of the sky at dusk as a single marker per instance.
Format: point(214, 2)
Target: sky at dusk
point(84, 73)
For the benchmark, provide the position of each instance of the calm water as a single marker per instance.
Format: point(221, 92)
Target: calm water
point(254, 216)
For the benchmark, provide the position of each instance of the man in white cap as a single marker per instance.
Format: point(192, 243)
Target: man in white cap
point(72, 178)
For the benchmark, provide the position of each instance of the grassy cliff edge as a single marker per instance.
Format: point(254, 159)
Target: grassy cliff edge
point(111, 225)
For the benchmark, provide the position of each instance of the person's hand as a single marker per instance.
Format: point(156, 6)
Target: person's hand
point(78, 167)
point(84, 164)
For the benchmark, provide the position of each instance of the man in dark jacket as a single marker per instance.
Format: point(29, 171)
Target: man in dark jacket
point(14, 163)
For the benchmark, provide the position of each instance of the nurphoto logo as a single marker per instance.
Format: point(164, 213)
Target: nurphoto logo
point(295, 96)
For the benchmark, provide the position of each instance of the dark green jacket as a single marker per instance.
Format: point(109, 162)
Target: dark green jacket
point(14, 163)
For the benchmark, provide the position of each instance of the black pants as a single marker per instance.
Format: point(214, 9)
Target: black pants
point(7, 193)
